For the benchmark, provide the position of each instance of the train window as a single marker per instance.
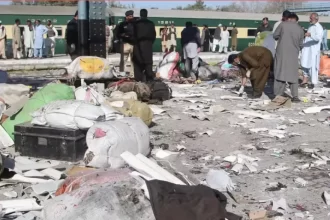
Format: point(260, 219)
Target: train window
point(160, 31)
point(251, 32)
point(229, 32)
point(111, 20)
point(22, 29)
point(59, 31)
point(212, 30)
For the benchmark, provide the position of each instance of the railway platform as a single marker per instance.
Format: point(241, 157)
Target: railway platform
point(61, 61)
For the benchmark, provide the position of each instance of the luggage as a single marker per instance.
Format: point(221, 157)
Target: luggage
point(133, 108)
point(106, 141)
point(160, 91)
point(142, 90)
point(47, 94)
point(167, 66)
point(50, 143)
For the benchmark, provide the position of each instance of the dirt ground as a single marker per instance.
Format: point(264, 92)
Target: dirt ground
point(254, 191)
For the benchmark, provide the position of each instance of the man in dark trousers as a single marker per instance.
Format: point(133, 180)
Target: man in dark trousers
point(145, 36)
point(125, 34)
point(254, 62)
point(71, 36)
point(205, 39)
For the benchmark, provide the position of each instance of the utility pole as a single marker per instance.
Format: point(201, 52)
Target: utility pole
point(83, 28)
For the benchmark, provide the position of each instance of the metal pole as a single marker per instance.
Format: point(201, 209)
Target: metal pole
point(83, 28)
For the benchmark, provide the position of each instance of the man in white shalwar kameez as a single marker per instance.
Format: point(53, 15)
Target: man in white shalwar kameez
point(310, 55)
point(28, 35)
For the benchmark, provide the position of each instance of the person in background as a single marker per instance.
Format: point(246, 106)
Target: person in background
point(265, 26)
point(145, 36)
point(290, 39)
point(205, 40)
point(224, 42)
point(39, 43)
point(310, 54)
point(285, 16)
point(325, 39)
point(17, 40)
point(234, 34)
point(171, 38)
point(191, 43)
point(126, 36)
point(254, 62)
point(71, 36)
point(28, 35)
point(107, 39)
point(216, 38)
point(2, 41)
point(111, 27)
point(50, 43)
point(164, 37)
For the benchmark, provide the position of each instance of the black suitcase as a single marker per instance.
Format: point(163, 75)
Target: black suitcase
point(50, 143)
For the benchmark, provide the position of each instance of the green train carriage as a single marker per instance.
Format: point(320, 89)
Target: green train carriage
point(246, 23)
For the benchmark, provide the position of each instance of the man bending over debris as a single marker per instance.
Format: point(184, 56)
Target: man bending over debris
point(254, 61)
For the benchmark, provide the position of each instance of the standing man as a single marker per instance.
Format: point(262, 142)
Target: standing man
point(290, 39)
point(234, 33)
point(39, 43)
point(2, 41)
point(224, 43)
point(51, 39)
point(164, 37)
point(172, 38)
point(17, 40)
point(255, 63)
point(264, 26)
point(205, 39)
point(28, 35)
point(107, 39)
point(126, 35)
point(145, 36)
point(285, 16)
point(71, 36)
point(325, 39)
point(310, 55)
point(191, 43)
point(216, 38)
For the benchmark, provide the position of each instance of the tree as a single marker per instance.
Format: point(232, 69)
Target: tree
point(117, 4)
point(198, 6)
point(46, 2)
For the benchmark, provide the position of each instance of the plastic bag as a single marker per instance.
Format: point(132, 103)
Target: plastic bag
point(219, 180)
point(88, 67)
point(167, 65)
point(89, 94)
point(108, 140)
point(73, 114)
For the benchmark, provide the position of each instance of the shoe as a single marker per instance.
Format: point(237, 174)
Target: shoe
point(311, 86)
point(295, 100)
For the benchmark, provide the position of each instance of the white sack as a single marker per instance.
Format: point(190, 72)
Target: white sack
point(89, 94)
point(168, 64)
point(127, 134)
point(73, 114)
point(89, 67)
point(12, 93)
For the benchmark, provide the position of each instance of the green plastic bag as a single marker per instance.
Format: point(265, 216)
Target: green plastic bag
point(49, 93)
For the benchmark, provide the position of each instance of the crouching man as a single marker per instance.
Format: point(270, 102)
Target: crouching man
point(254, 62)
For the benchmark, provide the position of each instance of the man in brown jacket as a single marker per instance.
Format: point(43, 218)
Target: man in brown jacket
point(254, 62)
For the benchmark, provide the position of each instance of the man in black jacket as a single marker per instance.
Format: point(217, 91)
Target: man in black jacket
point(145, 35)
point(71, 37)
point(125, 34)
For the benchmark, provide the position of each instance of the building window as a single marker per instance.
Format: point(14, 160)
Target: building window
point(59, 31)
point(252, 32)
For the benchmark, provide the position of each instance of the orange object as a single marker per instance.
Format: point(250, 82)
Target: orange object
point(325, 66)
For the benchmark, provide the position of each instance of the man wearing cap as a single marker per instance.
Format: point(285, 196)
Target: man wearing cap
point(126, 35)
point(2, 41)
point(254, 62)
point(216, 38)
point(264, 26)
point(310, 54)
point(145, 36)
point(290, 38)
point(71, 36)
point(285, 16)
point(28, 34)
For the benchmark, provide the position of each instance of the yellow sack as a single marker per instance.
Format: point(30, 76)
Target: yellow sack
point(133, 108)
